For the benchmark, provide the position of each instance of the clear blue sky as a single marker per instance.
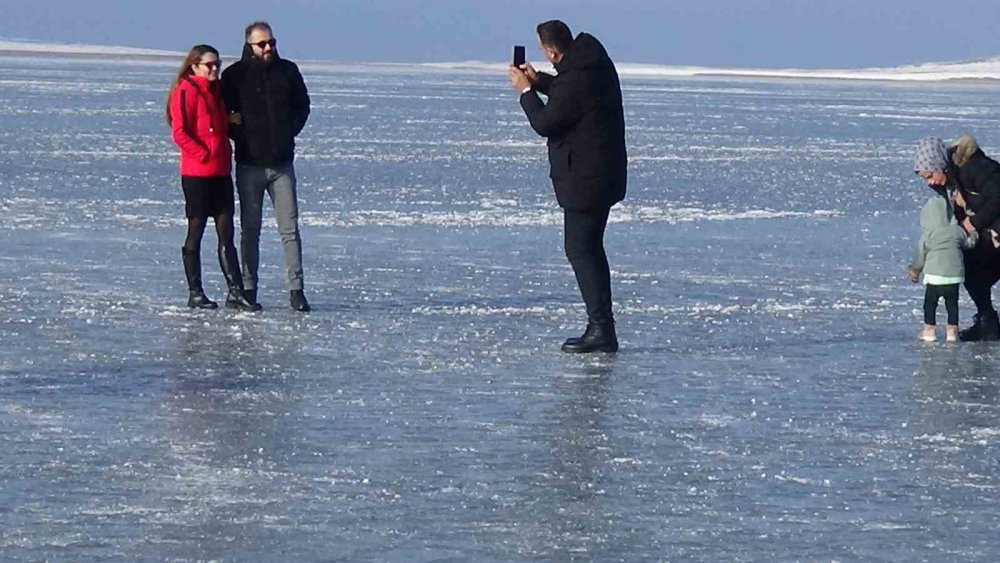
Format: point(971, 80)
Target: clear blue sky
point(743, 33)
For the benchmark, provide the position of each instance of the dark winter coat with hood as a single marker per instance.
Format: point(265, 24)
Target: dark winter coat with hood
point(585, 125)
point(977, 176)
point(273, 103)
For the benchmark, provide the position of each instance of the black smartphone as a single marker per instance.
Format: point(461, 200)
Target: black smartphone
point(518, 55)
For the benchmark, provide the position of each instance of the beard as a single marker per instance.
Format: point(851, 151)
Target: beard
point(263, 58)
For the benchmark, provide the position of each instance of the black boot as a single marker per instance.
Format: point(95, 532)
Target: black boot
point(971, 334)
point(991, 327)
point(298, 301)
point(192, 270)
point(984, 328)
point(599, 337)
point(230, 264)
point(591, 327)
point(198, 300)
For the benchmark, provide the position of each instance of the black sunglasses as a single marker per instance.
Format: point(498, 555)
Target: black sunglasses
point(211, 64)
point(261, 44)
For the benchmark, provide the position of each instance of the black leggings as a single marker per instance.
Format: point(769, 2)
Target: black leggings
point(224, 229)
point(931, 297)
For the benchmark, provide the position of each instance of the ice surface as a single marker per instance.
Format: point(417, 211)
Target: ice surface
point(770, 401)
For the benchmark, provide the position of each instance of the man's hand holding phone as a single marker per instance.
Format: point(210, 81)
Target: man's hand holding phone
point(518, 79)
point(522, 75)
point(530, 73)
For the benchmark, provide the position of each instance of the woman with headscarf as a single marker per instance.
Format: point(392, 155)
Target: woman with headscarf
point(974, 180)
point(199, 123)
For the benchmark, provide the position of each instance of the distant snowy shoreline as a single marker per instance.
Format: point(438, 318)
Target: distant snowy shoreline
point(987, 70)
point(10, 46)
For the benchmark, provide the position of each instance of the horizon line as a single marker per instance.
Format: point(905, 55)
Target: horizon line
point(989, 68)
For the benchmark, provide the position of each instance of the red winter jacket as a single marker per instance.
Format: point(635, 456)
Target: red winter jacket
point(199, 124)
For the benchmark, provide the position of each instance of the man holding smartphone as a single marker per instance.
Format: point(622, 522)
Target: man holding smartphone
point(584, 122)
point(269, 104)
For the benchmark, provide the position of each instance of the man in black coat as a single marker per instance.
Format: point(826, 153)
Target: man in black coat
point(269, 105)
point(585, 125)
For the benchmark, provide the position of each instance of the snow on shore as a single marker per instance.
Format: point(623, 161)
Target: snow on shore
point(986, 69)
point(19, 46)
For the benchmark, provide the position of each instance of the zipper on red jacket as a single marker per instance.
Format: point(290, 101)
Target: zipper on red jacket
point(214, 109)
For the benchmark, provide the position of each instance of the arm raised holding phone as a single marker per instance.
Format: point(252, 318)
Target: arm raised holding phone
point(539, 81)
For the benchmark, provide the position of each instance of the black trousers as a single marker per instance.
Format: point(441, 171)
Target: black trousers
point(584, 244)
point(982, 272)
point(931, 297)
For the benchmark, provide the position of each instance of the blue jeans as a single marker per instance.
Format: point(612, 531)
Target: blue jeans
point(279, 183)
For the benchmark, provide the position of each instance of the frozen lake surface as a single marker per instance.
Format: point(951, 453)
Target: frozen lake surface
point(770, 401)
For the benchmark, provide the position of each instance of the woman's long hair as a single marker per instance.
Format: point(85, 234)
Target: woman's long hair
point(193, 56)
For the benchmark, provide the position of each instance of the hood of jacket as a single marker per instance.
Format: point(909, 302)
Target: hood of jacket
point(937, 213)
point(963, 149)
point(584, 52)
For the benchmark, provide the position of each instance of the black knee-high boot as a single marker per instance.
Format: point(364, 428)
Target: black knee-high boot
point(192, 270)
point(230, 264)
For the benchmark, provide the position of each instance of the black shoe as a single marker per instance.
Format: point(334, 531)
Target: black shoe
point(984, 328)
point(597, 338)
point(991, 328)
point(298, 301)
point(198, 300)
point(586, 333)
point(251, 295)
point(237, 299)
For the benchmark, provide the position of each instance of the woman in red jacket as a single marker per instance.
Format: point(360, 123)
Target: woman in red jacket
point(197, 117)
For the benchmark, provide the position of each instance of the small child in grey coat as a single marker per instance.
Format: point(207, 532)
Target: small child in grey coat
point(939, 257)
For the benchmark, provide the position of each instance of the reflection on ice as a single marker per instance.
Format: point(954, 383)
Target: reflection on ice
point(768, 403)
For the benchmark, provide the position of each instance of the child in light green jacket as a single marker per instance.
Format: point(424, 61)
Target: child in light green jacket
point(939, 257)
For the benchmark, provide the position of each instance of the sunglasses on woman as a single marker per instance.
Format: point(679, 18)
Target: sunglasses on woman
point(211, 64)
